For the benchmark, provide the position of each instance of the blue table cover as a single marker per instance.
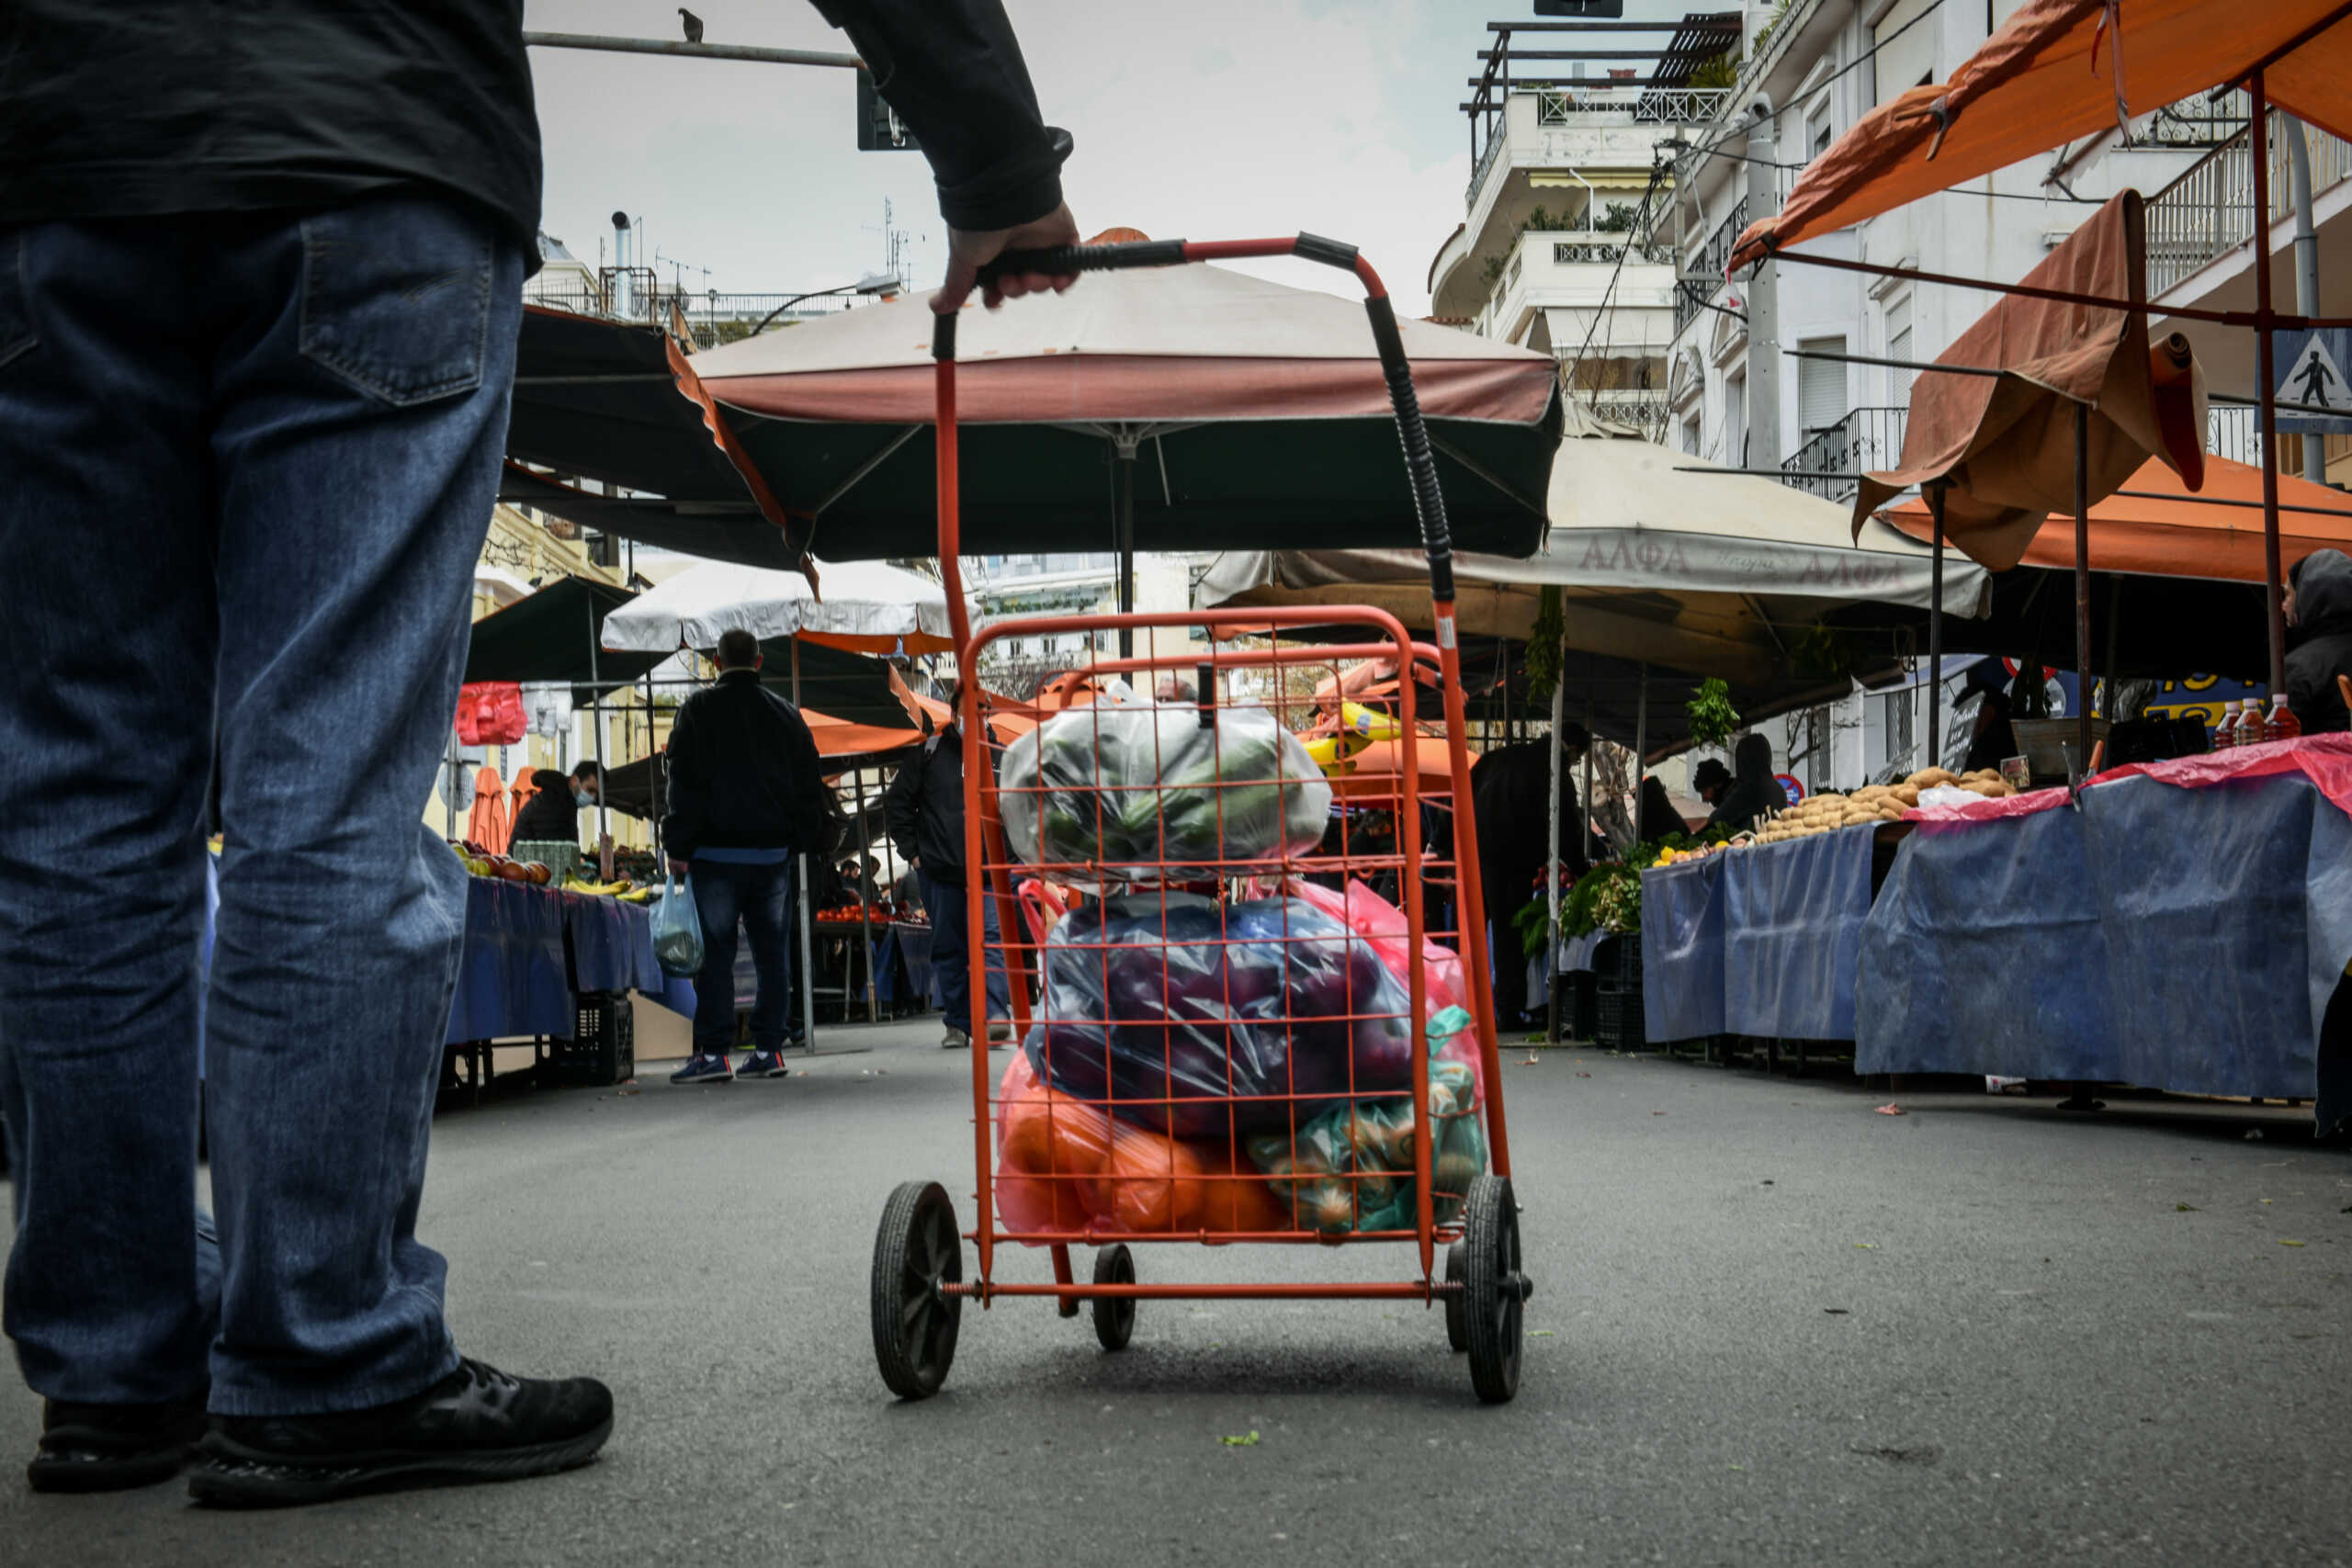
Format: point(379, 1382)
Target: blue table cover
point(1682, 947)
point(512, 976)
point(2177, 938)
point(1791, 933)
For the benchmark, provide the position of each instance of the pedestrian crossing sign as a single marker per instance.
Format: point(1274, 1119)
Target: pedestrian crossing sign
point(2313, 395)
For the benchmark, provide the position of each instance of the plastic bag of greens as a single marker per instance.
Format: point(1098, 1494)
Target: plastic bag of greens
point(1350, 1169)
point(1203, 1019)
point(1111, 792)
point(677, 929)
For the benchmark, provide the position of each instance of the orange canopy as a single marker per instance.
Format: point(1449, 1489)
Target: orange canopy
point(2153, 527)
point(2057, 71)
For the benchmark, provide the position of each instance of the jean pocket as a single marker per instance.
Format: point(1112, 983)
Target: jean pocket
point(16, 332)
point(396, 297)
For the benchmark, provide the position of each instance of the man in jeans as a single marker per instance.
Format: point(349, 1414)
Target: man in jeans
point(260, 276)
point(746, 796)
point(924, 812)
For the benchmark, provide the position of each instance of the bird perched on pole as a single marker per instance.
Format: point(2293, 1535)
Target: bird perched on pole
point(694, 25)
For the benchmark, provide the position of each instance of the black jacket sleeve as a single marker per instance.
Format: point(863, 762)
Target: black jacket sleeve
point(902, 808)
point(689, 790)
point(806, 771)
point(953, 72)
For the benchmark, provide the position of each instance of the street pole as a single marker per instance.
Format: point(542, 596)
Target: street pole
point(1552, 862)
point(1126, 447)
point(807, 975)
point(865, 899)
point(597, 702)
point(1763, 296)
point(2299, 181)
point(2266, 378)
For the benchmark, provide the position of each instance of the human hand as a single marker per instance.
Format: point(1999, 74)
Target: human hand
point(969, 250)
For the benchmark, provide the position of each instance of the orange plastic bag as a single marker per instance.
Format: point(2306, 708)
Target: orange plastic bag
point(1062, 1164)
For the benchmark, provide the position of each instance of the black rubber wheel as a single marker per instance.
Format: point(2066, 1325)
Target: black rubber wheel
point(1114, 1316)
point(1457, 1335)
point(916, 1252)
point(1494, 1291)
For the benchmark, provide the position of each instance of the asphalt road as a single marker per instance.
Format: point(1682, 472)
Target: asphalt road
point(1772, 1326)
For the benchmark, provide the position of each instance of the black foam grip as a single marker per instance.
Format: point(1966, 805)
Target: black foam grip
point(943, 335)
point(1420, 464)
point(1061, 259)
point(1330, 252)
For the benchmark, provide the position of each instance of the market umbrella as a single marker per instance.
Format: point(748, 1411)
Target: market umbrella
point(2058, 70)
point(554, 635)
point(1193, 408)
point(864, 606)
point(1660, 557)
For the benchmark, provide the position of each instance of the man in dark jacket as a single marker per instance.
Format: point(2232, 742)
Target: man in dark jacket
point(747, 793)
point(925, 811)
point(552, 813)
point(1754, 791)
point(261, 272)
point(2320, 600)
point(1510, 789)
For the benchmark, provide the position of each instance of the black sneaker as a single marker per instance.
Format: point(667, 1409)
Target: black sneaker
point(764, 1065)
point(477, 1424)
point(111, 1448)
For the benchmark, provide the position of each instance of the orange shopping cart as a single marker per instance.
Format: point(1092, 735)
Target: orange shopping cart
point(1269, 1019)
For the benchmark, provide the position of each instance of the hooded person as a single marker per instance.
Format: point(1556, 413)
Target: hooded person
point(1754, 791)
point(1659, 819)
point(2319, 597)
point(1509, 792)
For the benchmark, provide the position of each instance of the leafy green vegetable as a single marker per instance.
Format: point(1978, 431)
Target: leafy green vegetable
point(1712, 718)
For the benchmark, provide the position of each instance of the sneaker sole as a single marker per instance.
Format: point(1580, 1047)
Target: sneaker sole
point(231, 1476)
point(122, 1474)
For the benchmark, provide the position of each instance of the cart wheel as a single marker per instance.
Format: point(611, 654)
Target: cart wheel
point(916, 1252)
point(1114, 1316)
point(1457, 1335)
point(1493, 1290)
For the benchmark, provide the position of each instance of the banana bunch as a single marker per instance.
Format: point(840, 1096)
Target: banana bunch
point(612, 890)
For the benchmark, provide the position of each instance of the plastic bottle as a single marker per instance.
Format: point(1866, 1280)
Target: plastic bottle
point(2250, 727)
point(2225, 728)
point(2284, 725)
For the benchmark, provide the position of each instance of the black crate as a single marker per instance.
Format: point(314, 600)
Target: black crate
point(1618, 962)
point(1578, 1015)
point(603, 1048)
point(1619, 1019)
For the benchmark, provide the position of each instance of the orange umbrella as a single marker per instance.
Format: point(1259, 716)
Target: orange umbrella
point(2061, 69)
point(2153, 526)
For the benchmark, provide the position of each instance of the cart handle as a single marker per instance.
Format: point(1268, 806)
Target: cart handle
point(1421, 463)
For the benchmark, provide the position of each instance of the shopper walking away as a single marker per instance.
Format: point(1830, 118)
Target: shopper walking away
point(260, 273)
point(1509, 792)
point(2321, 641)
point(746, 796)
point(924, 812)
point(552, 813)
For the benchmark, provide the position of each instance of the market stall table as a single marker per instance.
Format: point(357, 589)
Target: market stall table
point(2182, 927)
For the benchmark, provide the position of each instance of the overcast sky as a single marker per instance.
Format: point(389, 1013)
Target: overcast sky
point(1195, 118)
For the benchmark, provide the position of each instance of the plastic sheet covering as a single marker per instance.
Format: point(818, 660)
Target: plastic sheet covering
point(2325, 759)
point(1350, 1169)
point(511, 975)
point(1682, 948)
point(1444, 988)
point(1792, 930)
point(2178, 939)
point(1126, 786)
point(1210, 1021)
point(1063, 1165)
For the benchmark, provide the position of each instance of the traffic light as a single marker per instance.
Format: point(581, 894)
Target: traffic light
point(1579, 8)
point(879, 128)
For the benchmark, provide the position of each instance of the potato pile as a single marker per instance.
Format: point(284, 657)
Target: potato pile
point(1875, 803)
point(1987, 782)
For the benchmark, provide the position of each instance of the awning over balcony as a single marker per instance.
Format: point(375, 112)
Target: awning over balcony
point(2061, 69)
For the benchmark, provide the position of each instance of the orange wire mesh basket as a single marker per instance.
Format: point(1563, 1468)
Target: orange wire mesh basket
point(1248, 980)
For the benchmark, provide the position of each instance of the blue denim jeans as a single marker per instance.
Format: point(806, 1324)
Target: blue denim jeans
point(760, 897)
point(951, 952)
point(246, 465)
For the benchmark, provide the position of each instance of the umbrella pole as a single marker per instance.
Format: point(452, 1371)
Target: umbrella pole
point(2082, 592)
point(596, 701)
point(2266, 378)
point(866, 900)
point(1551, 862)
point(1936, 631)
point(2114, 622)
point(807, 975)
point(653, 772)
point(1584, 815)
point(1126, 470)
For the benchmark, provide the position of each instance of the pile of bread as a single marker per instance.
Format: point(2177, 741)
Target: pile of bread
point(1874, 802)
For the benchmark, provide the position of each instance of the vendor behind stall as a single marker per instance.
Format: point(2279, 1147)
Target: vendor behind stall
point(1754, 791)
point(552, 813)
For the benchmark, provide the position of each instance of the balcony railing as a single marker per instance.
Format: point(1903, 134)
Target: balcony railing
point(1561, 103)
point(2208, 211)
point(1702, 273)
point(1865, 439)
point(1645, 411)
point(711, 317)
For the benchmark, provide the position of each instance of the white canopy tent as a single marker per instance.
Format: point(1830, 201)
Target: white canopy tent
point(864, 606)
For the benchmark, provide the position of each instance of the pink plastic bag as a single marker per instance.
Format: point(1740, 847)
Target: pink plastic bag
point(1383, 925)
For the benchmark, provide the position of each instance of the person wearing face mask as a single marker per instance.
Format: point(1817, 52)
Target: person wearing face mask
point(552, 814)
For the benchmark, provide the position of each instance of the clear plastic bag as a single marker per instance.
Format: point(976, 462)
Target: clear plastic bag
point(677, 929)
point(1444, 983)
point(1207, 1021)
point(1350, 1169)
point(1113, 793)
